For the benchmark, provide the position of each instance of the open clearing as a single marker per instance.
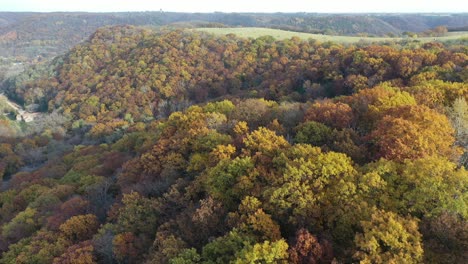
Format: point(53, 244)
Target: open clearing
point(22, 114)
point(253, 32)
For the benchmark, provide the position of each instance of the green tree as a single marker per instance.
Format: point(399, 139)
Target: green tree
point(422, 187)
point(224, 249)
point(319, 192)
point(313, 133)
point(266, 252)
point(24, 224)
point(223, 178)
point(187, 256)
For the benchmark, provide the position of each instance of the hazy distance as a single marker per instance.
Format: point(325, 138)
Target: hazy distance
point(319, 6)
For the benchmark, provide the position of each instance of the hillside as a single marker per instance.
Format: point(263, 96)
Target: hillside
point(179, 146)
point(422, 22)
point(147, 70)
point(28, 35)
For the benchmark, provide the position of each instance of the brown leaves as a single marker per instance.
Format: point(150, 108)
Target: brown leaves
point(307, 249)
point(338, 115)
point(81, 253)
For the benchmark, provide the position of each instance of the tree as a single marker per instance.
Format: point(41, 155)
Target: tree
point(355, 83)
point(221, 152)
point(370, 105)
point(137, 215)
point(318, 192)
point(81, 253)
point(439, 93)
point(264, 142)
point(24, 224)
point(308, 249)
point(313, 133)
point(79, 228)
point(422, 187)
point(206, 221)
point(445, 238)
point(126, 247)
point(187, 256)
point(337, 115)
point(225, 107)
point(389, 238)
point(9, 161)
point(166, 246)
point(251, 219)
point(223, 178)
point(435, 185)
point(72, 207)
point(256, 112)
point(102, 243)
point(411, 132)
point(224, 249)
point(440, 30)
point(266, 252)
point(458, 114)
point(42, 247)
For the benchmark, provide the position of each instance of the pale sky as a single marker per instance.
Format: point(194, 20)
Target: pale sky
point(321, 6)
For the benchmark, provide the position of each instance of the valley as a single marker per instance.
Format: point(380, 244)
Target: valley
point(21, 115)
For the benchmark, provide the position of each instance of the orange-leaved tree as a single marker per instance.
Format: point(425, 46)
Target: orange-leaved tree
point(411, 132)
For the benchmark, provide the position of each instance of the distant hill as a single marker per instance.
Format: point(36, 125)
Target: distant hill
point(29, 35)
point(457, 29)
point(422, 22)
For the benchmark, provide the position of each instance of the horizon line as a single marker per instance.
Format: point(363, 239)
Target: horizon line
point(243, 12)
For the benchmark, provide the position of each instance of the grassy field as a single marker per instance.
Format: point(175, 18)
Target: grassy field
point(251, 32)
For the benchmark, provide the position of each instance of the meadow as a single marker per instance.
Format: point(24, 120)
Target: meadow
point(255, 32)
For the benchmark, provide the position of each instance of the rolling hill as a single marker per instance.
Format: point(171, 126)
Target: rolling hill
point(28, 35)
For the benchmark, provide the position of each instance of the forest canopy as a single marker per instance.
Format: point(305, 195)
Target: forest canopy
point(185, 147)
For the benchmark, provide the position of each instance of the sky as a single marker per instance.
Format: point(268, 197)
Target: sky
point(267, 6)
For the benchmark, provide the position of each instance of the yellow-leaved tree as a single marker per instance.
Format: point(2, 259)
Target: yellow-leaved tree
point(389, 238)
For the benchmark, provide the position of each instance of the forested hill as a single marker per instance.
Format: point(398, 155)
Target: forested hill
point(131, 70)
point(49, 34)
point(184, 147)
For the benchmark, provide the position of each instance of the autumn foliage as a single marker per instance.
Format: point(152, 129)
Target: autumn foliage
point(182, 147)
